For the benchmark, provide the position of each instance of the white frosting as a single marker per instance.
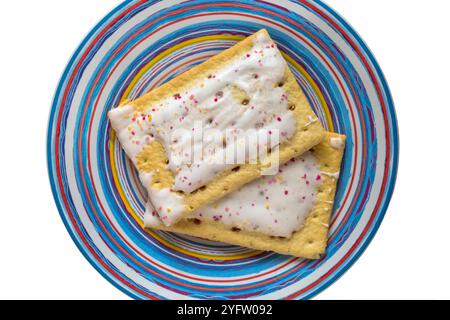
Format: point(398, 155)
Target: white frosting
point(274, 205)
point(333, 175)
point(165, 201)
point(146, 179)
point(214, 105)
point(125, 128)
point(337, 143)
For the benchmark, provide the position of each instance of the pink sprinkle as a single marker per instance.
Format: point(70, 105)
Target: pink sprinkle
point(215, 99)
point(279, 119)
point(248, 55)
point(133, 133)
point(318, 177)
point(227, 209)
point(307, 181)
point(286, 192)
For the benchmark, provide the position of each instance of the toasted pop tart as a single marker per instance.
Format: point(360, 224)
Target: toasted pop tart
point(244, 92)
point(287, 213)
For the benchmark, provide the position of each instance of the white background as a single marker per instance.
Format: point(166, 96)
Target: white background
point(410, 255)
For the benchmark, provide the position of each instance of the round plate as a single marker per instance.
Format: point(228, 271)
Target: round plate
point(142, 44)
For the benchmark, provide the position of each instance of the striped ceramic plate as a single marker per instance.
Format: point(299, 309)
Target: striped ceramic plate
point(142, 44)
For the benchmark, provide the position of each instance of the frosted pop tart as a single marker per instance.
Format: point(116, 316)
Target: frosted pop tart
point(179, 136)
point(287, 213)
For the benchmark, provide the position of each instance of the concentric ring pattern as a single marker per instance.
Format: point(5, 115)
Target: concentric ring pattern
point(142, 44)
